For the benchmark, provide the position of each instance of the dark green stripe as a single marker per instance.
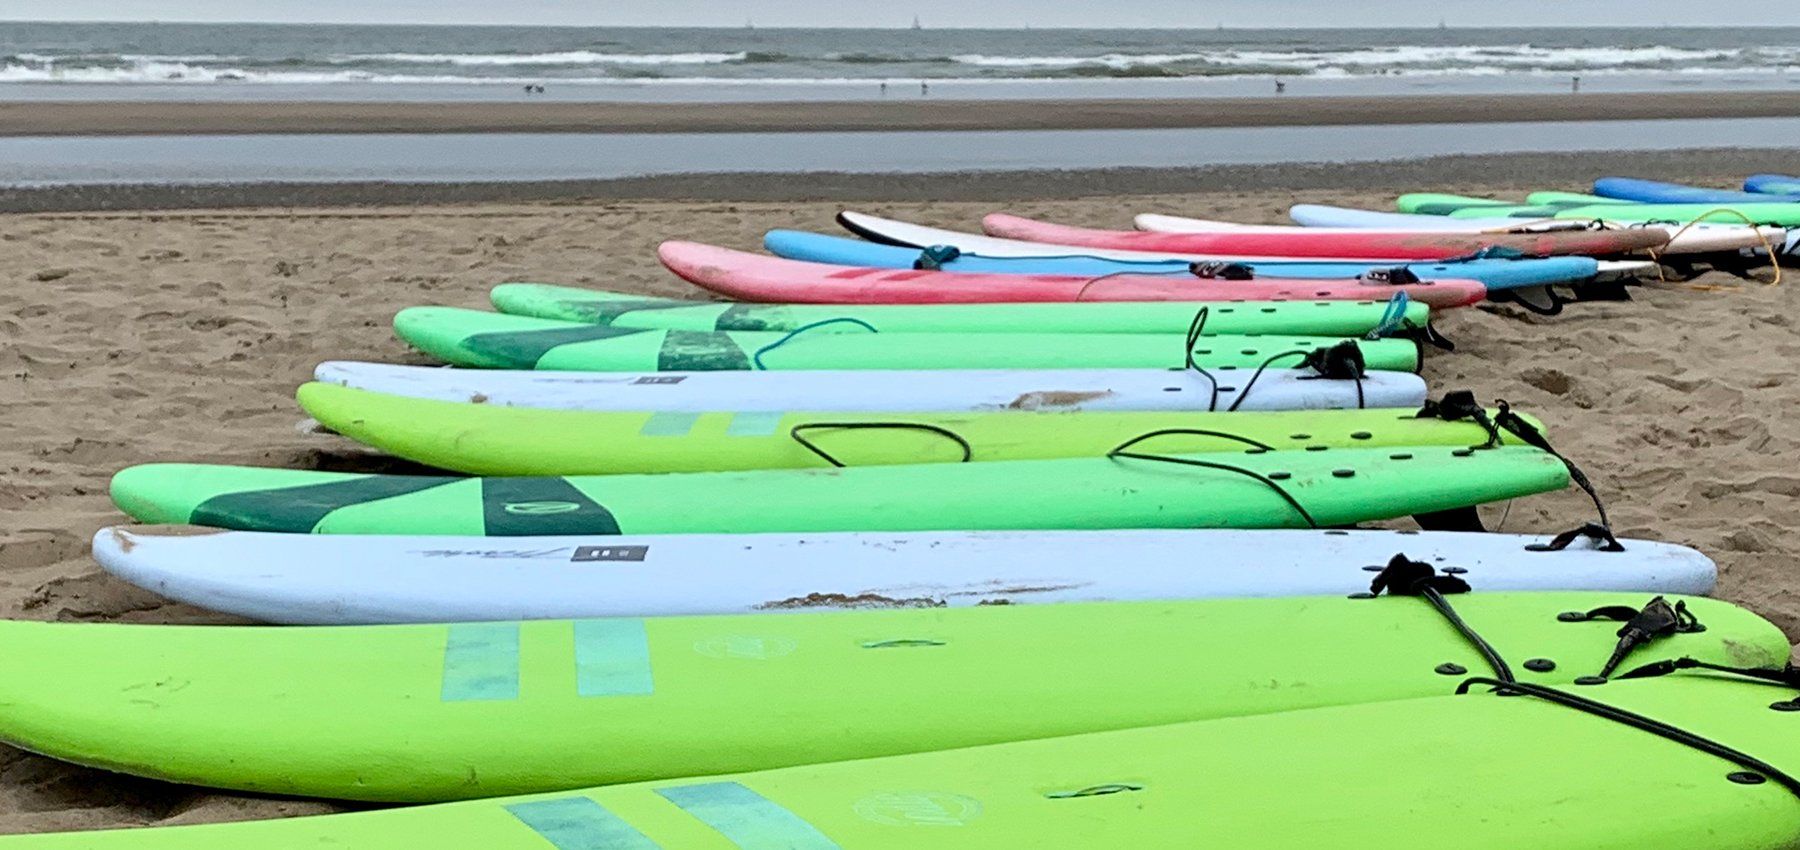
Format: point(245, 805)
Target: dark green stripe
point(301, 509)
point(756, 317)
point(700, 351)
point(579, 823)
point(523, 349)
point(747, 819)
point(605, 312)
point(518, 507)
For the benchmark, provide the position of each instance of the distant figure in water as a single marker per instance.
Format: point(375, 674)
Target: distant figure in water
point(924, 89)
point(884, 89)
point(1280, 87)
point(1575, 84)
point(532, 88)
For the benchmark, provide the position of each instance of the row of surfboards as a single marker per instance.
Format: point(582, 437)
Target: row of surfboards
point(770, 575)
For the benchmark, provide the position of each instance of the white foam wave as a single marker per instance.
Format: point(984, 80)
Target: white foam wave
point(570, 57)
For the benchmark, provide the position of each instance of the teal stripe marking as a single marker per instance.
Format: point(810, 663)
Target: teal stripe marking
point(754, 424)
point(666, 424)
point(748, 819)
point(481, 662)
point(612, 658)
point(579, 823)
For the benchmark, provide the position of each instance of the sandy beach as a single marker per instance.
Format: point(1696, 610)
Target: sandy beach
point(138, 335)
point(87, 118)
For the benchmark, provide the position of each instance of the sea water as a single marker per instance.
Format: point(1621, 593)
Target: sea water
point(264, 61)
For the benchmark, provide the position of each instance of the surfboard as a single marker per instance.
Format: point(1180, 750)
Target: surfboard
point(485, 439)
point(1422, 245)
point(1660, 192)
point(416, 713)
point(1251, 489)
point(1320, 318)
point(1767, 214)
point(1071, 260)
point(888, 231)
point(1690, 239)
point(1785, 215)
point(1772, 184)
point(322, 579)
point(1273, 781)
point(498, 341)
point(891, 390)
point(753, 277)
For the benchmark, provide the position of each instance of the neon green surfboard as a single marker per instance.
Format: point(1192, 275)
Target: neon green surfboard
point(593, 306)
point(1251, 489)
point(494, 440)
point(432, 712)
point(499, 341)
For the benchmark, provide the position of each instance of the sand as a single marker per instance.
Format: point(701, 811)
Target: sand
point(45, 118)
point(179, 336)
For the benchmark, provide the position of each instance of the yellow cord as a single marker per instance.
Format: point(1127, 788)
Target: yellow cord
point(1774, 255)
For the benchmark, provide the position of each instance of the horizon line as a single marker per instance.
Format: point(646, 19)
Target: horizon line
point(903, 27)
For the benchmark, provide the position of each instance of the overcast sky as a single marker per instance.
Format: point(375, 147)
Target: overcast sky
point(947, 13)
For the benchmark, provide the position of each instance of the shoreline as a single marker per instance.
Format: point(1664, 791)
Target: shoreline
point(1524, 170)
point(116, 118)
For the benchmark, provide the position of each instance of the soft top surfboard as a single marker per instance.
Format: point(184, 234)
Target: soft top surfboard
point(888, 231)
point(753, 277)
point(1319, 318)
point(1422, 245)
point(1659, 192)
point(1774, 213)
point(433, 712)
point(1772, 184)
point(498, 341)
point(818, 248)
point(1268, 781)
point(1684, 239)
point(486, 439)
point(1222, 388)
point(349, 580)
point(1253, 489)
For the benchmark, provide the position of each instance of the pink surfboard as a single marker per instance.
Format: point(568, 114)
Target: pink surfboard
point(1300, 243)
point(754, 277)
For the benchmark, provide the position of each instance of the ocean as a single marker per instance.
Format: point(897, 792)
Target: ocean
point(187, 60)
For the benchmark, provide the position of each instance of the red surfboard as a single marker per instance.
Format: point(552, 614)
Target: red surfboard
point(1420, 245)
point(754, 277)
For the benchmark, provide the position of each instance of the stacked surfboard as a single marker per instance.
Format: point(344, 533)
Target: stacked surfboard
point(1045, 536)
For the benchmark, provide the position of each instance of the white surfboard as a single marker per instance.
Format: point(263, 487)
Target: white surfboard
point(317, 579)
point(892, 231)
point(920, 236)
point(1609, 269)
point(1700, 238)
point(890, 391)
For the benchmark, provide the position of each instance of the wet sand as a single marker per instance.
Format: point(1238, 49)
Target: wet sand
point(140, 336)
point(87, 118)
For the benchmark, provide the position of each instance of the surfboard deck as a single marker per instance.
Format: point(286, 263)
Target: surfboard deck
point(1422, 245)
point(890, 390)
point(478, 339)
point(1252, 489)
point(416, 713)
point(1319, 318)
point(340, 580)
point(486, 439)
point(753, 277)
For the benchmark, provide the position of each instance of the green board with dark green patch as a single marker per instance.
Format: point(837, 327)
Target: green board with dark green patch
point(1252, 489)
point(499, 341)
point(1306, 318)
